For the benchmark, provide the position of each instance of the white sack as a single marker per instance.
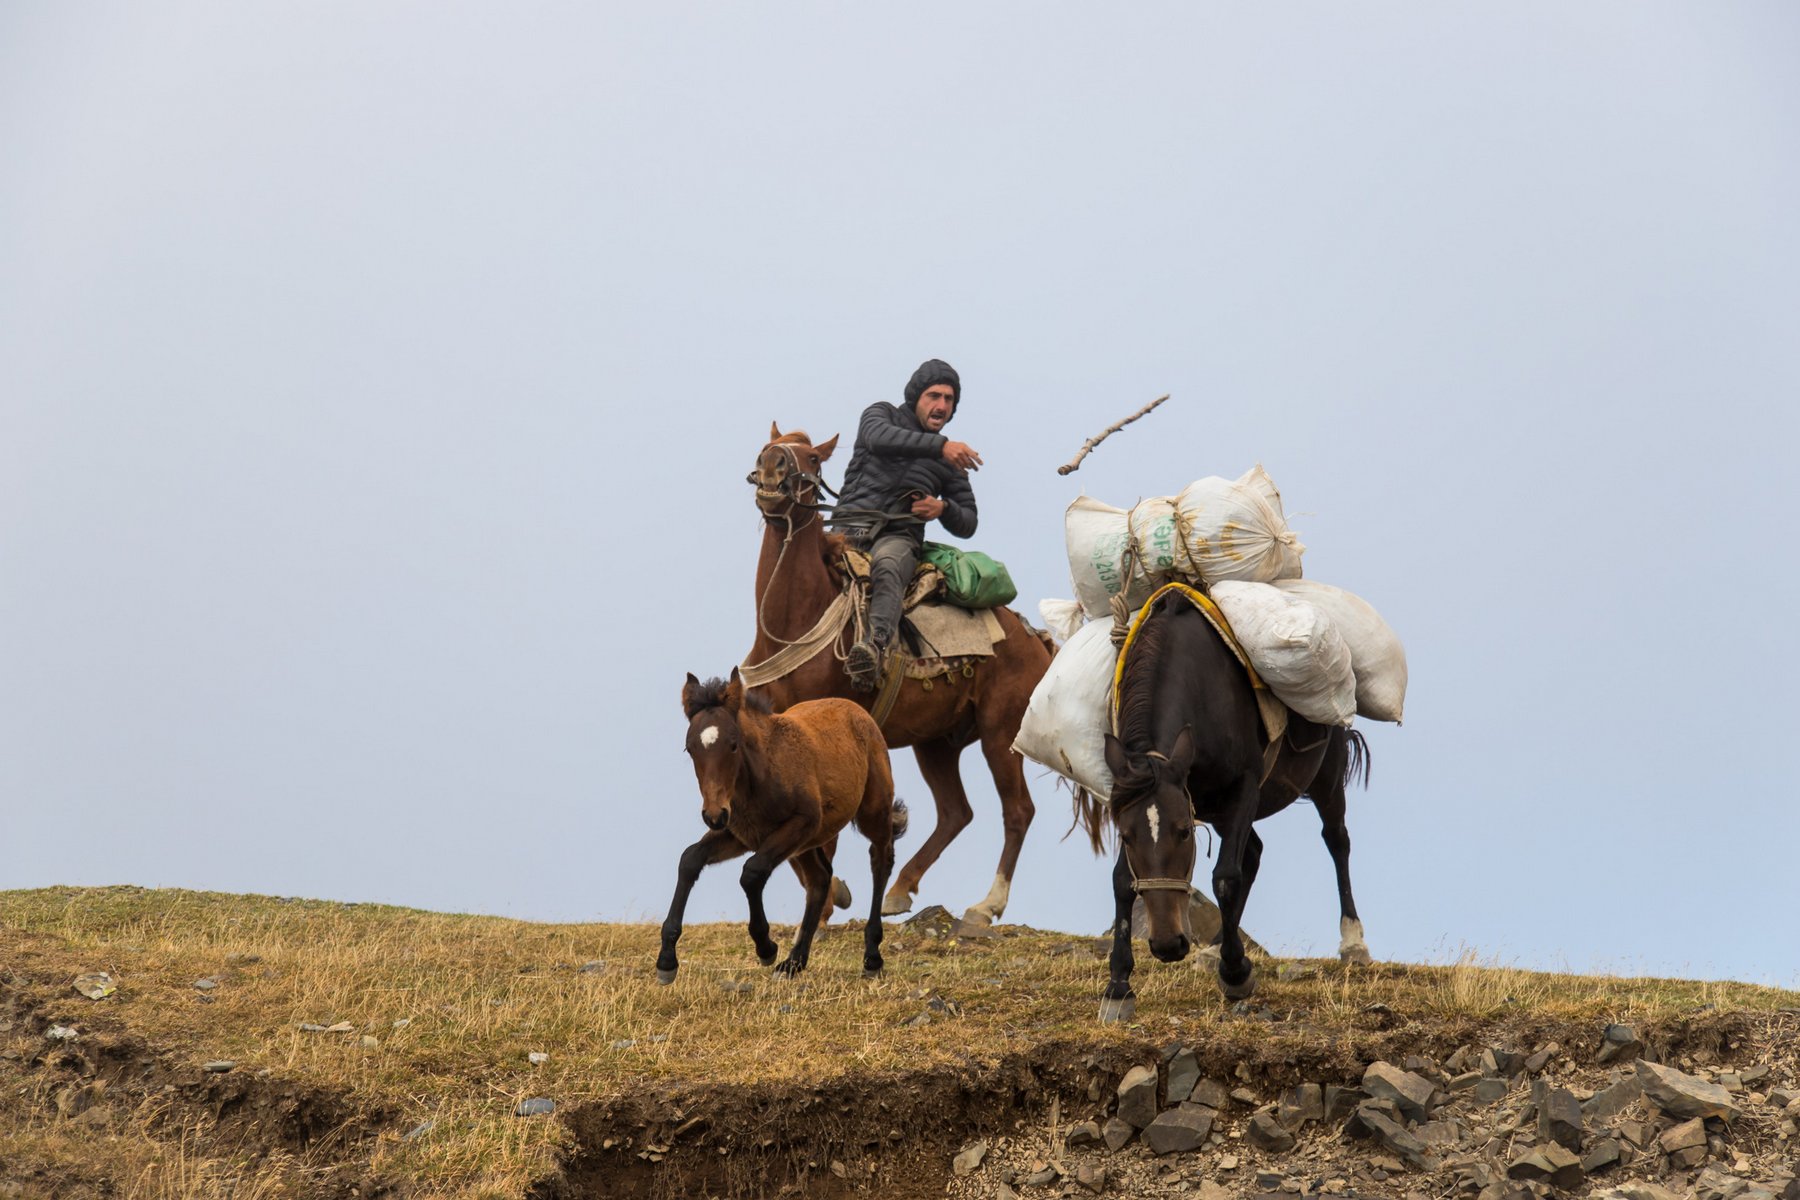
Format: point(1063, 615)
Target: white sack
point(1095, 535)
point(1070, 712)
point(1235, 529)
point(1376, 656)
point(1294, 647)
point(1100, 539)
point(1061, 617)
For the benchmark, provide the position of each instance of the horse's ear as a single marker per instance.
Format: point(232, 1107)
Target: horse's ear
point(734, 691)
point(1181, 754)
point(825, 448)
point(774, 432)
point(1115, 757)
point(687, 694)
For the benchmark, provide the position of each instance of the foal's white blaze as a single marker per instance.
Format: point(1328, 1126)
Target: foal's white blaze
point(709, 735)
point(1155, 824)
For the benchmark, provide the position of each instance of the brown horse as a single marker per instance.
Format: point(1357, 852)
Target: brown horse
point(796, 582)
point(1190, 748)
point(783, 786)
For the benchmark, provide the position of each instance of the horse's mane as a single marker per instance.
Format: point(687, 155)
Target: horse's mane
point(793, 437)
point(1137, 690)
point(711, 694)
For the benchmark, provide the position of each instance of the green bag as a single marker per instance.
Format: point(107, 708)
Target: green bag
point(972, 579)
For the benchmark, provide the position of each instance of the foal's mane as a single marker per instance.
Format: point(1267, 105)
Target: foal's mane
point(711, 694)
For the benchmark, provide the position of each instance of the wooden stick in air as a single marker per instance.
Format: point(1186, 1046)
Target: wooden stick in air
point(1087, 446)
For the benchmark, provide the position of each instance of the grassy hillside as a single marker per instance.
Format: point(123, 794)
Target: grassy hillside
point(730, 1075)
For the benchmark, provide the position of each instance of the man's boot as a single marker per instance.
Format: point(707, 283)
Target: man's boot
point(864, 664)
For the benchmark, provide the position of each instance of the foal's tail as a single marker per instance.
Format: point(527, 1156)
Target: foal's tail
point(1358, 763)
point(900, 818)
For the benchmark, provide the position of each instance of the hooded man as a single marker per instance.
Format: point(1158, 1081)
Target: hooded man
point(904, 473)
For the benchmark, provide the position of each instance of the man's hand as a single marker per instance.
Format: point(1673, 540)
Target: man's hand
point(928, 508)
point(961, 454)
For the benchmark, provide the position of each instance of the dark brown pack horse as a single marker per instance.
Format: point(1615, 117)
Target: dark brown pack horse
point(783, 787)
point(1190, 748)
point(796, 584)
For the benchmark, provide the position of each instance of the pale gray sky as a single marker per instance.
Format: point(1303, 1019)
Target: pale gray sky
point(377, 384)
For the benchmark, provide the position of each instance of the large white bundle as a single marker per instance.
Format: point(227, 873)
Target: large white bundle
point(1376, 656)
point(1070, 713)
point(1294, 647)
point(1112, 550)
point(1061, 617)
point(1235, 529)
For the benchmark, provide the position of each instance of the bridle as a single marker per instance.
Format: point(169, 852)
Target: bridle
point(789, 486)
point(1141, 886)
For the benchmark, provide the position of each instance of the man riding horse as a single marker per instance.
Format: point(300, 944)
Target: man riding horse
point(904, 473)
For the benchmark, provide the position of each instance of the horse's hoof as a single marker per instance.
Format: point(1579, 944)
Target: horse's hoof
point(1356, 956)
point(977, 919)
point(840, 893)
point(767, 960)
point(788, 968)
point(1114, 1011)
point(874, 972)
point(895, 903)
point(665, 977)
point(1243, 989)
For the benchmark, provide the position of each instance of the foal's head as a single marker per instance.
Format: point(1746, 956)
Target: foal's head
point(787, 473)
point(715, 740)
point(1155, 820)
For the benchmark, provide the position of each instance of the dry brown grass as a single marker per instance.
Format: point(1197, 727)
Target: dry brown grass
point(456, 1003)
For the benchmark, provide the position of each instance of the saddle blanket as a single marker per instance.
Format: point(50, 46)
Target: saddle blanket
point(946, 631)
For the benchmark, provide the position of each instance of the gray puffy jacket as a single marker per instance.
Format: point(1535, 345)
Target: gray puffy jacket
point(894, 456)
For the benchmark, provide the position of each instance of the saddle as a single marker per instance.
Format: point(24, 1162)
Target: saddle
point(935, 636)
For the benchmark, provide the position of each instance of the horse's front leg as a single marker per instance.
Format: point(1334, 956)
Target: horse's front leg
point(716, 846)
point(1118, 1002)
point(774, 850)
point(1231, 887)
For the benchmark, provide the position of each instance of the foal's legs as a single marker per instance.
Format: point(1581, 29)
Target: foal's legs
point(1231, 886)
point(814, 869)
point(775, 849)
point(937, 763)
point(1118, 1002)
point(716, 846)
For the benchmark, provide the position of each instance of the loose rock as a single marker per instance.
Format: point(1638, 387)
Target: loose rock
point(1137, 1096)
point(1411, 1092)
point(1559, 1118)
point(969, 1161)
point(1300, 1104)
point(1179, 1129)
point(1619, 1044)
point(218, 1066)
point(1116, 1133)
point(1267, 1133)
point(95, 985)
point(537, 1106)
point(1683, 1095)
point(1184, 1073)
point(1550, 1164)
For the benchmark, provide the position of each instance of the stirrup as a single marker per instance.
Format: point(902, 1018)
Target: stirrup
point(864, 666)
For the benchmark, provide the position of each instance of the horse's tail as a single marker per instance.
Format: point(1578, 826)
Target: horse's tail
point(898, 823)
point(1358, 763)
point(1090, 818)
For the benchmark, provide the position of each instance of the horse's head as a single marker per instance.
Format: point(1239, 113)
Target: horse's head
point(1155, 819)
point(715, 742)
point(786, 476)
